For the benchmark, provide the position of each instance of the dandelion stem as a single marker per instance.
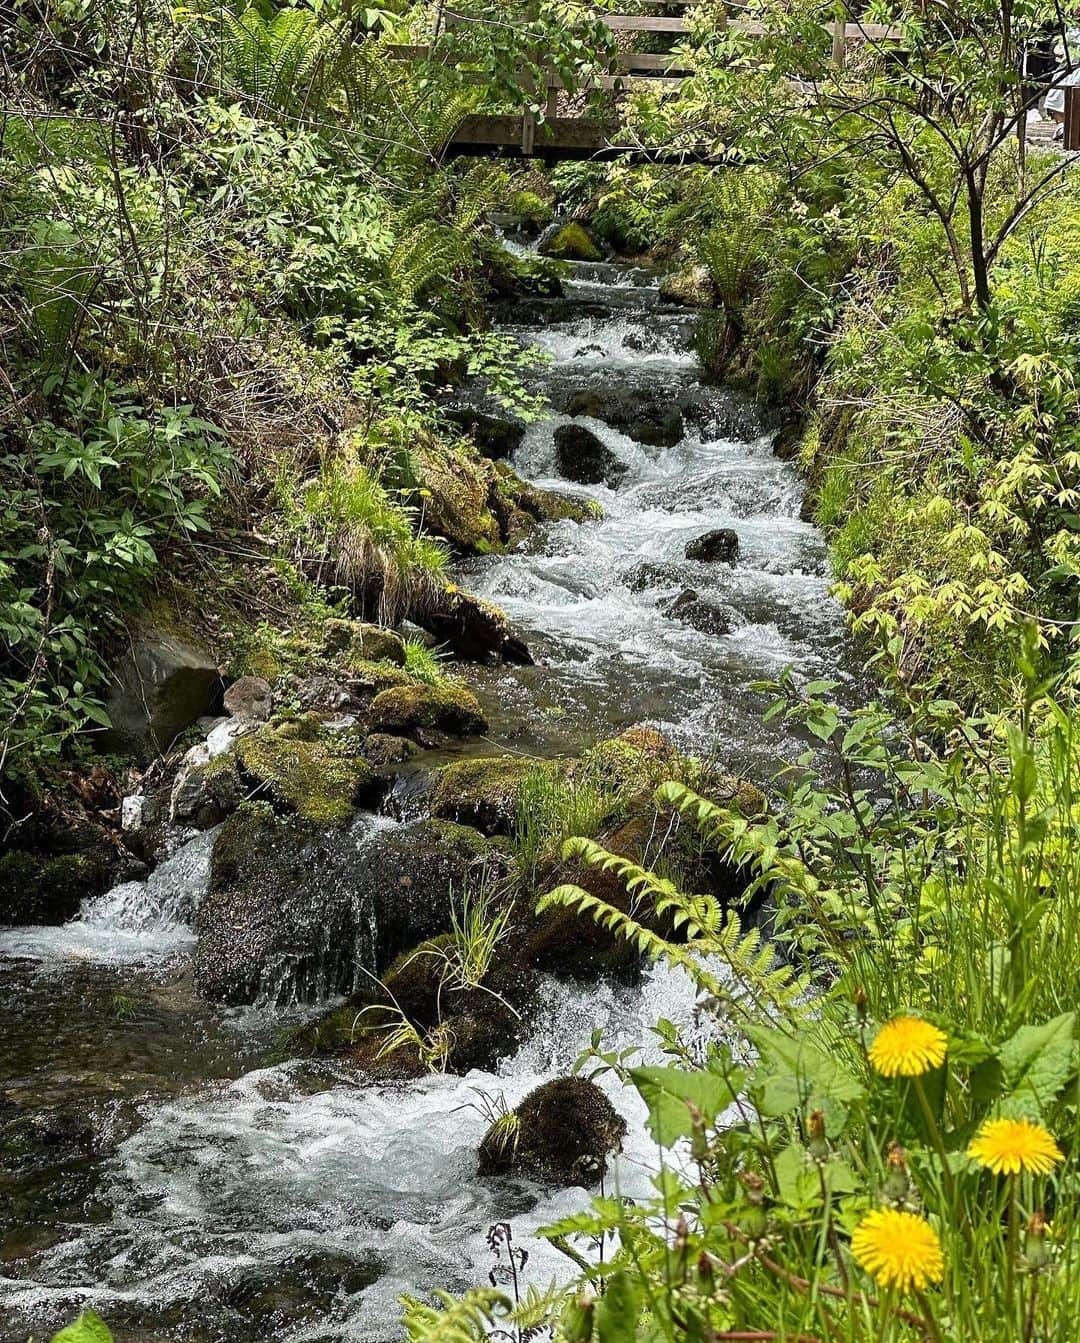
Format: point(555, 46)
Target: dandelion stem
point(1014, 1240)
point(935, 1138)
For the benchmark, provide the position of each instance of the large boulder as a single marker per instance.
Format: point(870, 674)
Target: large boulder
point(562, 1133)
point(298, 767)
point(720, 544)
point(646, 414)
point(583, 458)
point(163, 686)
point(414, 710)
point(476, 630)
point(569, 242)
point(288, 914)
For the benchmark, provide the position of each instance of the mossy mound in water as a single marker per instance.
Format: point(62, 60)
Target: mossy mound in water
point(368, 679)
point(444, 708)
point(532, 209)
point(484, 792)
point(319, 776)
point(562, 1133)
point(571, 242)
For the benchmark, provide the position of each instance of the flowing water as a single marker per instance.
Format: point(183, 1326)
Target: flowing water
point(154, 1166)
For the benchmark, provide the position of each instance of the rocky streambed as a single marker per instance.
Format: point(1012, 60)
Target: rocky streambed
point(199, 1135)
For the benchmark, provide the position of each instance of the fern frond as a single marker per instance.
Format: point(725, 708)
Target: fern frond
point(463, 1319)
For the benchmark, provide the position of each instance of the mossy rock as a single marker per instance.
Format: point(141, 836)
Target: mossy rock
point(204, 795)
point(300, 769)
point(532, 209)
point(691, 287)
point(406, 710)
point(384, 752)
point(457, 487)
point(520, 506)
point(355, 641)
point(563, 1133)
point(571, 242)
point(368, 679)
point(483, 792)
point(49, 890)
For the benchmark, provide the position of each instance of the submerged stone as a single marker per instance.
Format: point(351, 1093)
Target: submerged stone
point(720, 544)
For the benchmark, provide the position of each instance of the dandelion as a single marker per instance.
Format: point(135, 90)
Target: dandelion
point(907, 1047)
point(1008, 1146)
point(898, 1249)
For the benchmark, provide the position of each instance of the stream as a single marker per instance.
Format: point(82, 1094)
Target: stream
point(156, 1168)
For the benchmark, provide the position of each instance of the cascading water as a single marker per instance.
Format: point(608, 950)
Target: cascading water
point(188, 1194)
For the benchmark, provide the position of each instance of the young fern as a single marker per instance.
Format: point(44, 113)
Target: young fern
point(465, 1319)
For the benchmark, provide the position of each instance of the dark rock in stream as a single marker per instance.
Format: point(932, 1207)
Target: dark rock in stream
point(497, 436)
point(720, 544)
point(476, 630)
point(704, 614)
point(562, 1134)
point(289, 913)
point(584, 459)
point(645, 414)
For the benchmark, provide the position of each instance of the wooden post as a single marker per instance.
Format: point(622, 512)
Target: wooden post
point(1071, 139)
point(839, 38)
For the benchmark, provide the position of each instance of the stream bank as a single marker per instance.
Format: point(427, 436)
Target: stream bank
point(162, 1171)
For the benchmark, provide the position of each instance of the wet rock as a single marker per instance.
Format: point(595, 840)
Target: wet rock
point(563, 1134)
point(322, 692)
point(651, 574)
point(384, 752)
point(408, 710)
point(721, 413)
point(645, 414)
point(704, 614)
point(288, 912)
point(164, 685)
point(206, 792)
point(717, 545)
point(484, 792)
point(498, 437)
point(788, 440)
point(519, 506)
point(476, 630)
point(299, 768)
point(250, 699)
point(413, 874)
point(358, 641)
point(583, 458)
point(691, 287)
point(569, 242)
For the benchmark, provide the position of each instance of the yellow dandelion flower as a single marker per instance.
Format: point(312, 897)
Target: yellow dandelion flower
point(898, 1249)
point(1008, 1146)
point(907, 1047)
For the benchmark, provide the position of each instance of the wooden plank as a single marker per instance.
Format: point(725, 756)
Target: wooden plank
point(625, 82)
point(644, 23)
point(1071, 139)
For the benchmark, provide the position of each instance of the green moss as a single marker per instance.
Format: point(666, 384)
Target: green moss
point(572, 243)
point(447, 708)
point(369, 678)
point(355, 641)
point(532, 208)
point(484, 792)
point(318, 777)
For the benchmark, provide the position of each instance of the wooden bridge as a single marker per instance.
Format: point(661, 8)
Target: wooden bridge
point(522, 135)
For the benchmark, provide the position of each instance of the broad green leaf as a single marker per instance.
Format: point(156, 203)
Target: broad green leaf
point(669, 1093)
point(619, 1309)
point(1037, 1062)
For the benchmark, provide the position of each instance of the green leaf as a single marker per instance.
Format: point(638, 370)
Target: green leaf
point(669, 1093)
point(1037, 1062)
point(619, 1309)
point(88, 1328)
